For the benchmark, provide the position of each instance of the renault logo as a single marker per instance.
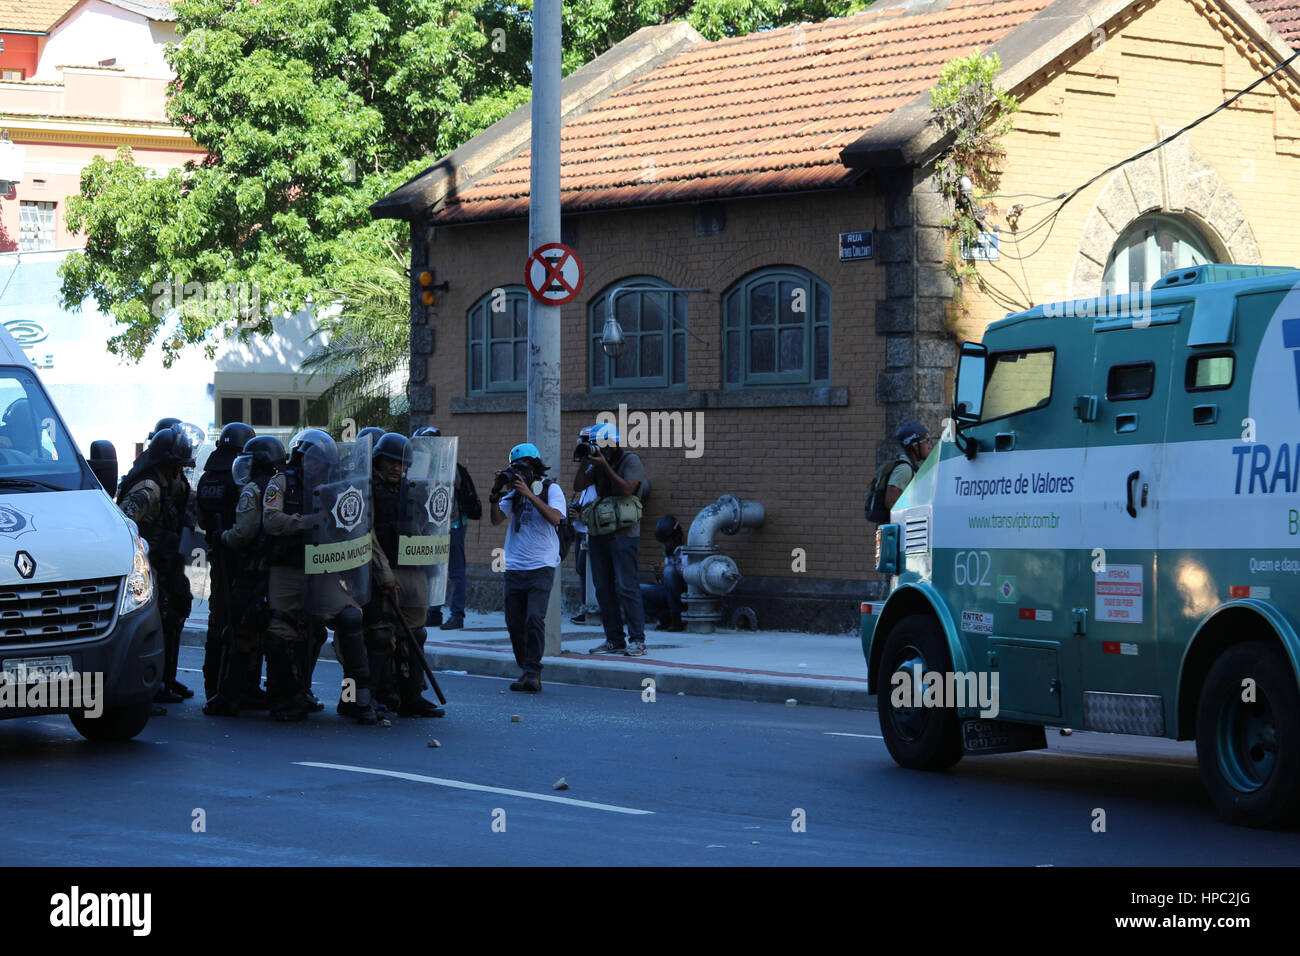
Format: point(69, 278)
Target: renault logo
point(25, 564)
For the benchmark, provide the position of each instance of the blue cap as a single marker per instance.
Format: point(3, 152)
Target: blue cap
point(526, 450)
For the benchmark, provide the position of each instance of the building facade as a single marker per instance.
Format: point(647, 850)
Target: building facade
point(761, 169)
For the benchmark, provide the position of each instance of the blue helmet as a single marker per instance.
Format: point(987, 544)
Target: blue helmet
point(604, 434)
point(526, 450)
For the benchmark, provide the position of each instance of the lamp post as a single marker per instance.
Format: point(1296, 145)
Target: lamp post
point(611, 339)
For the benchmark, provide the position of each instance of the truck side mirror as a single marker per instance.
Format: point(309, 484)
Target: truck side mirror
point(103, 462)
point(968, 390)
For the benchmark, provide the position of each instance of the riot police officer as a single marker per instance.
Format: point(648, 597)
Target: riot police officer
point(218, 494)
point(244, 549)
point(405, 586)
point(147, 497)
point(293, 507)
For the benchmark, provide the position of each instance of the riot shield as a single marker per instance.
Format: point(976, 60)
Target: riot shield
point(336, 494)
point(424, 512)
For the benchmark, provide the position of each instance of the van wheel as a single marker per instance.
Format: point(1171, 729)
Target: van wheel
point(1248, 752)
point(117, 723)
point(919, 738)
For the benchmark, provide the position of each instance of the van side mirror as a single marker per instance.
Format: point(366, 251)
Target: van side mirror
point(103, 462)
point(968, 390)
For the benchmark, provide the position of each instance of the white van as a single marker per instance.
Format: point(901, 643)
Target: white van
point(79, 628)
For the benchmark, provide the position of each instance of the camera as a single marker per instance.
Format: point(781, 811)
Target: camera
point(582, 451)
point(505, 478)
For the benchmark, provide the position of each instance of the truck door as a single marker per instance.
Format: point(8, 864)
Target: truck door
point(1115, 601)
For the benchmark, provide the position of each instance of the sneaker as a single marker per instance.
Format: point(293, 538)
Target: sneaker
point(166, 695)
point(608, 648)
point(178, 688)
point(452, 624)
point(313, 702)
point(579, 619)
point(635, 649)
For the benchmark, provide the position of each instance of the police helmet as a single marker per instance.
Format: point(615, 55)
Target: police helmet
point(665, 528)
point(428, 431)
point(314, 438)
point(171, 446)
point(375, 433)
point(394, 446)
point(164, 423)
point(265, 450)
point(235, 435)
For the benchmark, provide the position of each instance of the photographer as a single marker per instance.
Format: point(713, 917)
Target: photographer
point(613, 523)
point(532, 555)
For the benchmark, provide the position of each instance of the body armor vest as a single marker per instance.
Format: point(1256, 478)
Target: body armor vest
point(289, 549)
point(218, 495)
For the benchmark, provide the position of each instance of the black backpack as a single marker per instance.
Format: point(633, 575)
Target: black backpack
point(565, 530)
point(466, 496)
point(876, 510)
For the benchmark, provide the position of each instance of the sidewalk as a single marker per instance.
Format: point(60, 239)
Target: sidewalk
point(822, 669)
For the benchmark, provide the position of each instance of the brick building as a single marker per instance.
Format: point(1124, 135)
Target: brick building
point(738, 166)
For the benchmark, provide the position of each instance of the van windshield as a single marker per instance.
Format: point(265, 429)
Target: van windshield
point(35, 448)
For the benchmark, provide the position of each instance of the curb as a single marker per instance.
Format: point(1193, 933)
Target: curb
point(693, 680)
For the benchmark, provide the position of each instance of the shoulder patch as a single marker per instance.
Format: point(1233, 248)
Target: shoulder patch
point(272, 494)
point(247, 500)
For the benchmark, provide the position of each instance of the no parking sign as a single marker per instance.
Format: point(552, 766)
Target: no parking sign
point(554, 274)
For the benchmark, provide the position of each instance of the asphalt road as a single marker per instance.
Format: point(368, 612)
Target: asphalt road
point(680, 781)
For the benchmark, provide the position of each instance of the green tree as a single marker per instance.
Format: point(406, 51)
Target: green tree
point(362, 344)
point(309, 111)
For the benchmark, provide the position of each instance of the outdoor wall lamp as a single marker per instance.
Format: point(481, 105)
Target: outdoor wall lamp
point(611, 340)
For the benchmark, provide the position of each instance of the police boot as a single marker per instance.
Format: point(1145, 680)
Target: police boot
point(362, 710)
point(421, 707)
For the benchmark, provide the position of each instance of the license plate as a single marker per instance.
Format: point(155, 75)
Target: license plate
point(33, 669)
point(1001, 737)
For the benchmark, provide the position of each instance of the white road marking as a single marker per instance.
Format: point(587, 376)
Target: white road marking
point(462, 785)
point(832, 733)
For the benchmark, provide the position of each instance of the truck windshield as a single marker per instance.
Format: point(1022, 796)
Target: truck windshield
point(36, 453)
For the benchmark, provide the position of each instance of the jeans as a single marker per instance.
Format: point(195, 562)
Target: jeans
point(612, 564)
point(663, 602)
point(456, 577)
point(527, 593)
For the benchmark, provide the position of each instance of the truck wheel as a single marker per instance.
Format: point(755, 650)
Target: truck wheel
point(918, 737)
point(117, 723)
point(1248, 751)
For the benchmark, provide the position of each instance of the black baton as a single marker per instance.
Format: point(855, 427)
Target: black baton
point(418, 648)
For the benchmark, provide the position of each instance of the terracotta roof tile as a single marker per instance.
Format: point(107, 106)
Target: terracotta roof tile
point(36, 16)
point(1283, 16)
point(768, 112)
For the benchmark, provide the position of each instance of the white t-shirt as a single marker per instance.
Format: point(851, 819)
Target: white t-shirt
point(587, 496)
point(537, 543)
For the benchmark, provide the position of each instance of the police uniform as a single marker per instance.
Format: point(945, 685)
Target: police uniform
point(398, 675)
point(149, 500)
point(217, 495)
point(288, 654)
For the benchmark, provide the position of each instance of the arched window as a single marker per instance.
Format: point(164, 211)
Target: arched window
point(777, 329)
point(654, 336)
point(1153, 246)
point(498, 341)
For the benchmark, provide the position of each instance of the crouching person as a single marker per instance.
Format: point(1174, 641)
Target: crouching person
point(534, 507)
